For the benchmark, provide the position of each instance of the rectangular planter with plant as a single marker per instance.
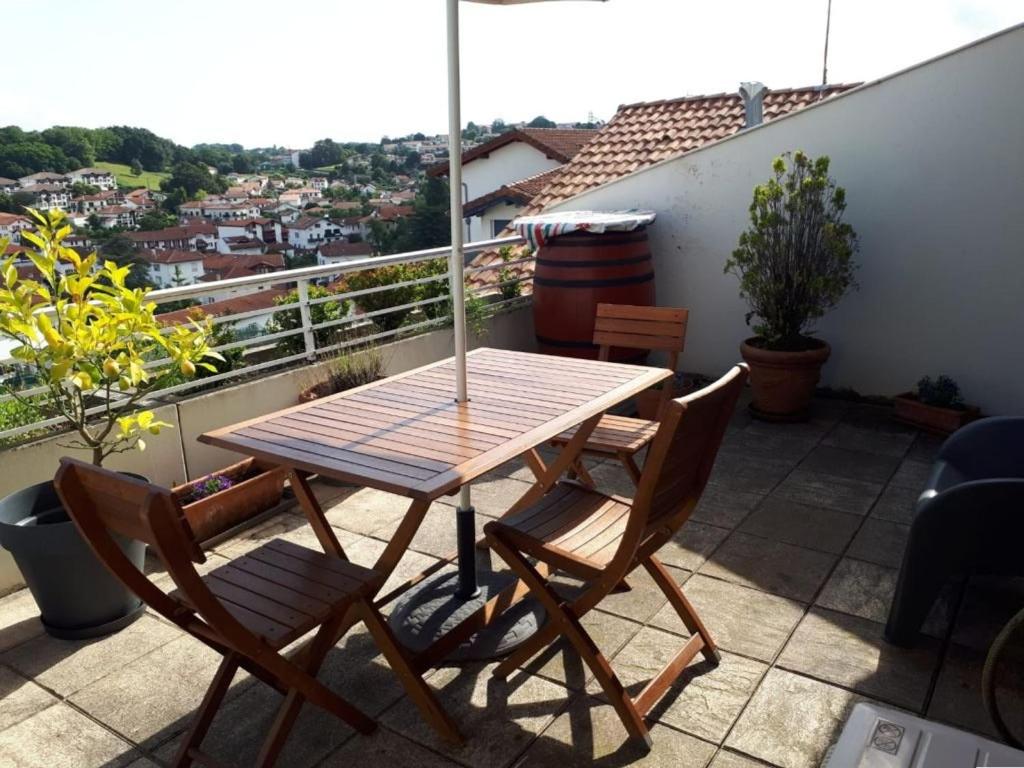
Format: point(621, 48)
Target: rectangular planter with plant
point(230, 496)
point(936, 405)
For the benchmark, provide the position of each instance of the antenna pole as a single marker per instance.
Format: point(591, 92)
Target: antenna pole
point(824, 65)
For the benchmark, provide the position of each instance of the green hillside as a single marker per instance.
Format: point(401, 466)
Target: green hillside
point(126, 178)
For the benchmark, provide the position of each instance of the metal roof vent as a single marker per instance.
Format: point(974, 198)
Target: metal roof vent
point(753, 102)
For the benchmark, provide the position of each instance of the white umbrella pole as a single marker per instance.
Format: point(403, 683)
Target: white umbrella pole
point(465, 525)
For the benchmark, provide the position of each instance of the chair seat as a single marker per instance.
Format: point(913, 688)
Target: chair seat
point(615, 435)
point(573, 527)
point(280, 591)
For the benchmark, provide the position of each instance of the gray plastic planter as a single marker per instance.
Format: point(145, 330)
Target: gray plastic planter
point(77, 596)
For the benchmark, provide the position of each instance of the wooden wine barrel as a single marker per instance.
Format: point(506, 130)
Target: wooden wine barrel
point(576, 272)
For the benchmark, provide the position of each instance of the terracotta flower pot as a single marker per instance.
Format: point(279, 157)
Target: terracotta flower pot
point(256, 489)
point(783, 382)
point(942, 421)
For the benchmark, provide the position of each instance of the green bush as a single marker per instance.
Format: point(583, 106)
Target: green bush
point(795, 261)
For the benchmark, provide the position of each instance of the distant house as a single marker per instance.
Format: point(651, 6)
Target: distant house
point(309, 233)
point(219, 267)
point(144, 199)
point(319, 183)
point(259, 229)
point(12, 224)
point(89, 203)
point(514, 156)
point(46, 197)
point(8, 186)
point(188, 237)
point(44, 178)
point(170, 268)
point(94, 177)
point(218, 208)
point(301, 196)
point(231, 306)
point(116, 215)
point(286, 212)
point(342, 251)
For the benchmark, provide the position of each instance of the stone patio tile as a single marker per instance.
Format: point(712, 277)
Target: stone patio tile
point(66, 666)
point(365, 551)
point(639, 604)
point(517, 470)
point(611, 477)
point(988, 604)
point(691, 545)
point(861, 589)
point(854, 465)
point(858, 438)
point(896, 504)
point(436, 535)
point(560, 661)
point(925, 447)
point(727, 759)
point(328, 492)
point(19, 619)
point(877, 418)
point(912, 474)
point(704, 701)
point(739, 619)
point(792, 720)
point(492, 497)
point(590, 733)
point(957, 698)
point(61, 737)
point(881, 542)
point(153, 698)
point(385, 749)
point(851, 652)
point(771, 566)
point(724, 508)
point(821, 490)
point(740, 472)
point(294, 528)
point(367, 510)
point(20, 698)
point(801, 524)
point(499, 718)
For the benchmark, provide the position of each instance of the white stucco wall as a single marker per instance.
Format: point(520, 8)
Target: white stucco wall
point(511, 162)
point(933, 164)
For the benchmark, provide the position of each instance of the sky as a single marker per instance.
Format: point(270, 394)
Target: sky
point(271, 73)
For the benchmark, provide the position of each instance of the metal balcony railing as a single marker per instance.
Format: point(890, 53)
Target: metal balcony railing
point(299, 280)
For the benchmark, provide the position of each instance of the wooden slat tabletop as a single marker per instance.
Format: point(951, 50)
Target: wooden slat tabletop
point(407, 435)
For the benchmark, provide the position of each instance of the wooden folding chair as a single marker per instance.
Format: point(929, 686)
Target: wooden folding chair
point(648, 328)
point(247, 610)
point(601, 539)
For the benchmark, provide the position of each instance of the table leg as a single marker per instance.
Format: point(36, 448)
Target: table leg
point(315, 514)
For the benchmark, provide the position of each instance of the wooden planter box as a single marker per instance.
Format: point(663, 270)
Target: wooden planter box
point(256, 489)
point(943, 421)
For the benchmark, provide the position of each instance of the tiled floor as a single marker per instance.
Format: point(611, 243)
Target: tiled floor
point(791, 559)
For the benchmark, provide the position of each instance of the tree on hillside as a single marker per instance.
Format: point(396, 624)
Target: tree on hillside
point(541, 122)
point(192, 178)
point(498, 126)
point(153, 220)
point(429, 226)
point(75, 143)
point(324, 152)
point(16, 203)
point(137, 168)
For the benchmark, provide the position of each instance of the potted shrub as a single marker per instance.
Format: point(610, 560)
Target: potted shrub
point(794, 263)
point(935, 405)
point(98, 351)
point(230, 496)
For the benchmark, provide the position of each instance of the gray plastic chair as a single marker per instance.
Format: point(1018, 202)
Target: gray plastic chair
point(969, 519)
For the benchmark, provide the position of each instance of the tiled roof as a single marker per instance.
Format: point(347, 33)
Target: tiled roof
point(305, 222)
point(643, 134)
point(91, 172)
point(223, 262)
point(5, 182)
point(158, 235)
point(251, 222)
point(560, 144)
point(341, 248)
point(13, 218)
point(232, 306)
point(171, 256)
point(517, 192)
point(393, 212)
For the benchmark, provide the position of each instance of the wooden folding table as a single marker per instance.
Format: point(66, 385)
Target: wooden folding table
point(407, 435)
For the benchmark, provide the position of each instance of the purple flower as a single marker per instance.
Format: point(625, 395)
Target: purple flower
point(209, 485)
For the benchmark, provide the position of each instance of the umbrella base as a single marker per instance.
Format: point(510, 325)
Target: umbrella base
point(432, 609)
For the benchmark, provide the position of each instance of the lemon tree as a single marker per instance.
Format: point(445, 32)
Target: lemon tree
point(95, 343)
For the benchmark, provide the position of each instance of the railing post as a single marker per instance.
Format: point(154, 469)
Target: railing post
point(307, 319)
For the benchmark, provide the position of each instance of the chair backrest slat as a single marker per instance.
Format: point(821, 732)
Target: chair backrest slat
point(633, 327)
point(680, 459)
